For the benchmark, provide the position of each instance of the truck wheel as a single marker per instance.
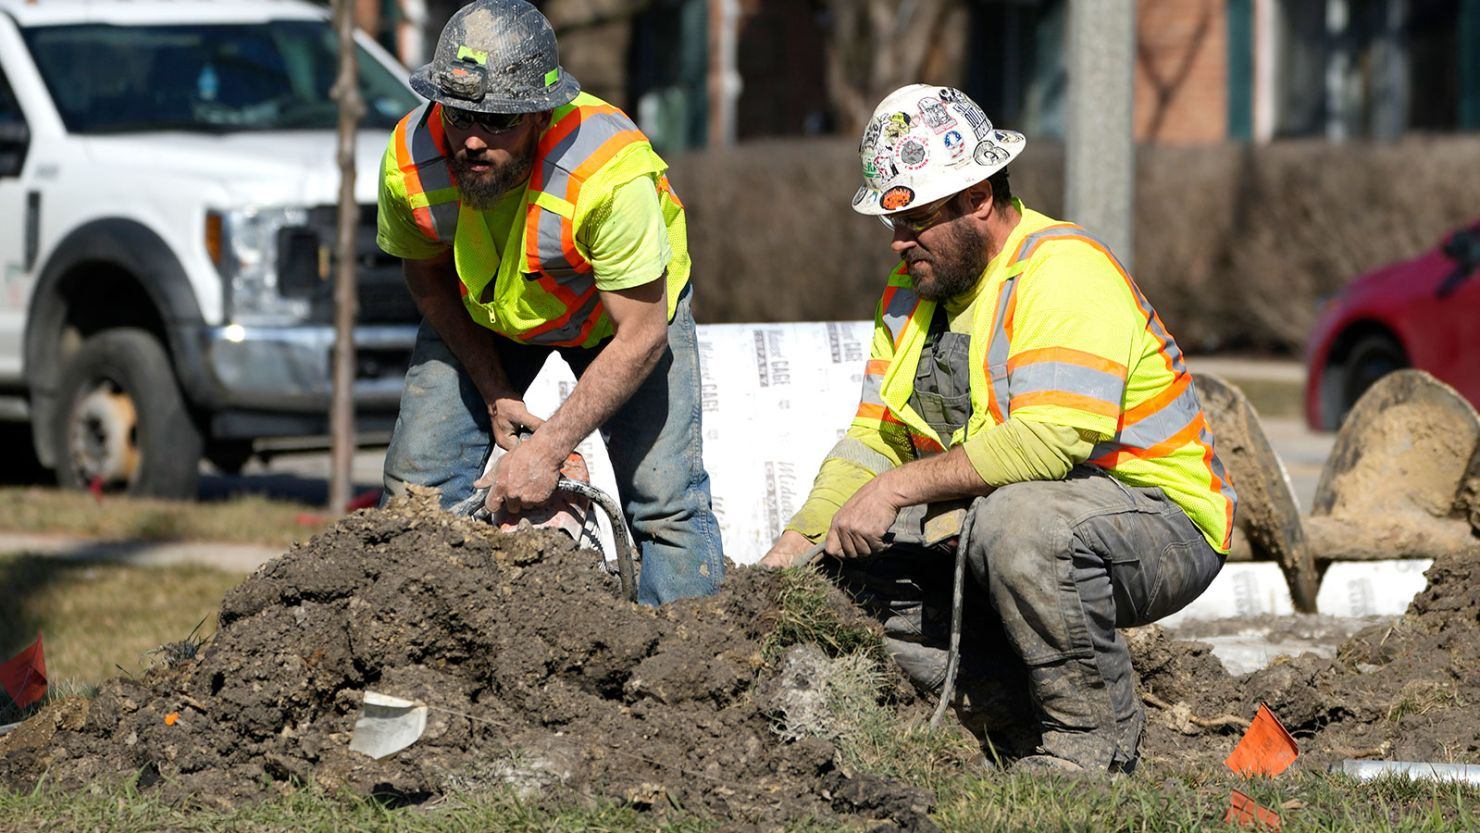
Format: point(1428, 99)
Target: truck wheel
point(122, 423)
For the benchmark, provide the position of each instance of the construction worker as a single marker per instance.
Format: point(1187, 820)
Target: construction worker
point(534, 218)
point(1022, 394)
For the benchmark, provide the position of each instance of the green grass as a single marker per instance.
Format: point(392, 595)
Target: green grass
point(96, 616)
point(805, 615)
point(243, 520)
point(1150, 802)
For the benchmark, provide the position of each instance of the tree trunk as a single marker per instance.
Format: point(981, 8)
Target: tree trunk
point(346, 92)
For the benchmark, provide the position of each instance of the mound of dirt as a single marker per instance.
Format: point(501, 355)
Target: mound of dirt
point(535, 672)
point(1406, 691)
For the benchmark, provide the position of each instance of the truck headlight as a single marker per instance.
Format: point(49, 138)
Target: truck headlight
point(248, 261)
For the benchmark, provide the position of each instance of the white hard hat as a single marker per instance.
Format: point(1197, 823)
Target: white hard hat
point(924, 143)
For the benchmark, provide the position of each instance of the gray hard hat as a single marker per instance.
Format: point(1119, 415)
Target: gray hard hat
point(497, 56)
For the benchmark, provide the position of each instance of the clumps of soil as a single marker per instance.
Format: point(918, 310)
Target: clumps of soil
point(1408, 690)
point(536, 673)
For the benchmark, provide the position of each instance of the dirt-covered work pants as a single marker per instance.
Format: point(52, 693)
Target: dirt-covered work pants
point(1055, 567)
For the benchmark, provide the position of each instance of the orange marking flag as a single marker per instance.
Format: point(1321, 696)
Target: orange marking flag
point(24, 675)
point(1246, 812)
point(1266, 749)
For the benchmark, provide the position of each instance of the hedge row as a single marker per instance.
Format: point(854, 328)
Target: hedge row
point(1235, 244)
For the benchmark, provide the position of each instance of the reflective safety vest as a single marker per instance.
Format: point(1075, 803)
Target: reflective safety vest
point(1161, 439)
point(546, 293)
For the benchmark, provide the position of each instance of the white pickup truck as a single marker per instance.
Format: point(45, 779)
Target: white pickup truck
point(168, 183)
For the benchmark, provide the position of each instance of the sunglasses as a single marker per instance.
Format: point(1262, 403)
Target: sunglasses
point(487, 122)
point(918, 220)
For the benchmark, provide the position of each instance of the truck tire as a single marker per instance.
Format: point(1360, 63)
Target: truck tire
point(122, 424)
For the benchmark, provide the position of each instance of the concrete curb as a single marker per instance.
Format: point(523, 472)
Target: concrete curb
point(240, 558)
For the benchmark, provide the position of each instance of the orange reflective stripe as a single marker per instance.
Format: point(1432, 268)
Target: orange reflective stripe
point(402, 144)
point(1065, 399)
point(876, 367)
point(570, 300)
point(664, 186)
point(1216, 483)
point(872, 411)
point(1068, 356)
point(926, 444)
point(1156, 403)
point(532, 239)
point(567, 125)
point(1186, 436)
point(439, 135)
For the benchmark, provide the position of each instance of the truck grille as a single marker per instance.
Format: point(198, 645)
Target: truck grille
point(303, 254)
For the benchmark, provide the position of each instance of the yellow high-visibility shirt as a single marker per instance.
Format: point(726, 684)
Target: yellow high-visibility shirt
point(1061, 336)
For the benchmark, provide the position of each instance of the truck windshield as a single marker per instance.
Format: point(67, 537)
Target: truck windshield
point(209, 78)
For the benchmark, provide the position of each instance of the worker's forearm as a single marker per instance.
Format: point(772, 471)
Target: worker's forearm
point(947, 476)
point(437, 298)
point(611, 379)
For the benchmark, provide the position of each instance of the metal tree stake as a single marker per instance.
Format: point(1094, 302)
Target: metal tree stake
point(346, 92)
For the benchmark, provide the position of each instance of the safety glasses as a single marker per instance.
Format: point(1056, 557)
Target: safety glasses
point(487, 122)
point(918, 220)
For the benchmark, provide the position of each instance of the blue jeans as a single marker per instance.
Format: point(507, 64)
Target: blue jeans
point(442, 436)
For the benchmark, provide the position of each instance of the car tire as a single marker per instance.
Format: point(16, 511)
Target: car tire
point(1370, 358)
point(121, 420)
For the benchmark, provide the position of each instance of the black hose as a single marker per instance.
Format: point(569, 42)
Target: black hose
point(958, 593)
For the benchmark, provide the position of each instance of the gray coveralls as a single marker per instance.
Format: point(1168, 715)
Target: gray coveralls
point(1054, 568)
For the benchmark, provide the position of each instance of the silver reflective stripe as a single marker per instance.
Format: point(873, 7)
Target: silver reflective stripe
point(571, 330)
point(576, 147)
point(551, 254)
point(565, 156)
point(432, 172)
point(856, 452)
point(901, 305)
point(998, 348)
point(1070, 378)
point(1157, 428)
point(873, 390)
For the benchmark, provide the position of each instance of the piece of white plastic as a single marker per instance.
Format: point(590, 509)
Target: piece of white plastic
point(1417, 770)
point(387, 724)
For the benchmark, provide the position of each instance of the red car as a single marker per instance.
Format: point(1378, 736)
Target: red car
point(1422, 313)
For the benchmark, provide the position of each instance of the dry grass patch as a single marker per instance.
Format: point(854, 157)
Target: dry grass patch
point(243, 520)
point(97, 617)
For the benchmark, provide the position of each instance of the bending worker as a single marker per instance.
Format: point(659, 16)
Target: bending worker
point(531, 218)
point(1017, 366)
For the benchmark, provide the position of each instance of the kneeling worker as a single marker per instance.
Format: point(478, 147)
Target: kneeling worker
point(531, 218)
point(1015, 365)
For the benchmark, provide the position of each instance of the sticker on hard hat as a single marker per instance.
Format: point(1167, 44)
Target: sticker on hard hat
point(954, 143)
point(987, 153)
point(861, 196)
point(1009, 138)
point(870, 138)
point(885, 169)
point(934, 113)
point(895, 126)
point(980, 124)
point(897, 197)
point(913, 154)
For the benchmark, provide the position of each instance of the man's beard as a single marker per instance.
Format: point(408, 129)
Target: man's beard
point(955, 267)
point(480, 190)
